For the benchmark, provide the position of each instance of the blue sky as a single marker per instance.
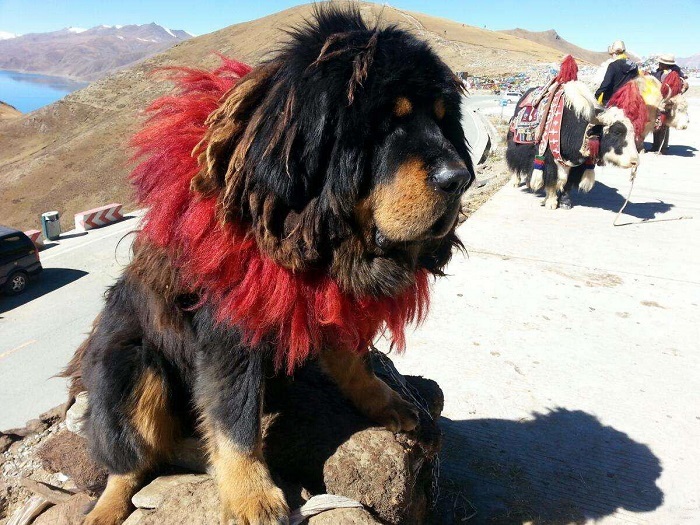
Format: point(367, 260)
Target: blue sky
point(591, 24)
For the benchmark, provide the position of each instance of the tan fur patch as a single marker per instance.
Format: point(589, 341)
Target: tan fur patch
point(246, 490)
point(114, 505)
point(439, 108)
point(151, 415)
point(402, 107)
point(408, 205)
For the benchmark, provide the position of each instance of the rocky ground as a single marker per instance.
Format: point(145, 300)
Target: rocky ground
point(383, 478)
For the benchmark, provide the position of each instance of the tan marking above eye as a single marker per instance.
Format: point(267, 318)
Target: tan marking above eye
point(439, 108)
point(402, 107)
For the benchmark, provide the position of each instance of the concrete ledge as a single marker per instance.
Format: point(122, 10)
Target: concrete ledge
point(97, 217)
point(35, 236)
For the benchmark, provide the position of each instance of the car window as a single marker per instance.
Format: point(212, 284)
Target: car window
point(12, 245)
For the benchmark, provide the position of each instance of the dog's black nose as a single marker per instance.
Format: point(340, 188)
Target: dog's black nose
point(453, 179)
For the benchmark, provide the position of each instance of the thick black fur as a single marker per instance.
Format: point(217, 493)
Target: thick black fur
point(344, 140)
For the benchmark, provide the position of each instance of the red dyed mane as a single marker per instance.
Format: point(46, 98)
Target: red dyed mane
point(297, 312)
point(568, 70)
point(672, 85)
point(630, 101)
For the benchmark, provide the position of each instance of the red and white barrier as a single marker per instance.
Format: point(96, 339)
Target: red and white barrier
point(97, 217)
point(35, 236)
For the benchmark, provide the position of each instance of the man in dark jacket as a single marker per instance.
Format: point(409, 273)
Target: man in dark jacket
point(620, 71)
point(667, 63)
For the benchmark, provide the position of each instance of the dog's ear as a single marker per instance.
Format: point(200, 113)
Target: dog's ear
point(221, 151)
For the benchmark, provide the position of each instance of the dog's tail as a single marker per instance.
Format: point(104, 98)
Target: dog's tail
point(73, 371)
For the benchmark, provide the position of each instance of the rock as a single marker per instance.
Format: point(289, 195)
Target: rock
point(137, 517)
point(75, 414)
point(36, 426)
point(70, 512)
point(6, 440)
point(67, 453)
point(343, 517)
point(153, 494)
point(195, 503)
point(54, 415)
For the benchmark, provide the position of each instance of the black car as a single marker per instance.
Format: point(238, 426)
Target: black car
point(19, 260)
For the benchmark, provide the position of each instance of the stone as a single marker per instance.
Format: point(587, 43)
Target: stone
point(67, 453)
point(153, 494)
point(343, 517)
point(195, 503)
point(70, 512)
point(54, 415)
point(6, 440)
point(36, 426)
point(75, 414)
point(138, 517)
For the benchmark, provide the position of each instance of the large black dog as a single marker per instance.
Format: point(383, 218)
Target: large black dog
point(296, 209)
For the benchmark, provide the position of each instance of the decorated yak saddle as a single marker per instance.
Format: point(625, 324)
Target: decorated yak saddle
point(537, 119)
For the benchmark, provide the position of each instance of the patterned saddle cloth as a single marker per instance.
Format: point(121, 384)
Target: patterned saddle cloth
point(527, 121)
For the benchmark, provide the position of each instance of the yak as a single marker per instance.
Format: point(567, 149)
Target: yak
point(581, 116)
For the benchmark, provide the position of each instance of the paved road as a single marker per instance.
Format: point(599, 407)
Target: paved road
point(40, 329)
point(569, 351)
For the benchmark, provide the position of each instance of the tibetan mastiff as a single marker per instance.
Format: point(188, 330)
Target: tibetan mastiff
point(297, 209)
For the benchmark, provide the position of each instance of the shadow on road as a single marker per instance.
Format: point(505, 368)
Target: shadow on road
point(607, 198)
point(558, 468)
point(49, 280)
point(675, 150)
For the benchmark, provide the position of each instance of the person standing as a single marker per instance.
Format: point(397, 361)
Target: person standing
point(620, 71)
point(667, 65)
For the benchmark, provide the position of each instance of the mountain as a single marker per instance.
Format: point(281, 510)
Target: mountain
point(8, 112)
point(552, 39)
point(691, 61)
point(4, 35)
point(72, 155)
point(86, 54)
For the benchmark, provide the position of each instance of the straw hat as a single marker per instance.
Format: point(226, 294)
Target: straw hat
point(669, 60)
point(618, 46)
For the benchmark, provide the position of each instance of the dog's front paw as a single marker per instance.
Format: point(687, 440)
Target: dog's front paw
point(265, 506)
point(397, 415)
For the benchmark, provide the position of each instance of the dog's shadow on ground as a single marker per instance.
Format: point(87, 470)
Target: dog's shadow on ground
point(557, 468)
point(608, 198)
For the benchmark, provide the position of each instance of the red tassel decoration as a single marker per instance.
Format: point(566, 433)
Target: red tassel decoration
point(630, 101)
point(568, 70)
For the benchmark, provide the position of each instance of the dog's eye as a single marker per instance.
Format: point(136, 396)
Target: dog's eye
point(439, 108)
point(402, 107)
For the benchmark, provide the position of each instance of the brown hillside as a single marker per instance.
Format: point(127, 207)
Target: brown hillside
point(552, 39)
point(71, 155)
point(8, 112)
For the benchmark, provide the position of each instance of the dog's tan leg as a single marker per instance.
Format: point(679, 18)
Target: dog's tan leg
point(372, 396)
point(248, 494)
point(114, 505)
point(150, 417)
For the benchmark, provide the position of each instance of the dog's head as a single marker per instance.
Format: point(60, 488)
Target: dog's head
point(343, 154)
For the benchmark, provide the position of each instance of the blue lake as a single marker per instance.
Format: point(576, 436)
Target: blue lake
point(28, 92)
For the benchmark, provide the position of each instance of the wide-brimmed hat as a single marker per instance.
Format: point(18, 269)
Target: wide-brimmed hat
point(618, 46)
point(669, 60)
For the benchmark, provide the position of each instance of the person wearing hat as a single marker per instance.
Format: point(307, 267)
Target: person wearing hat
point(667, 63)
point(620, 71)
